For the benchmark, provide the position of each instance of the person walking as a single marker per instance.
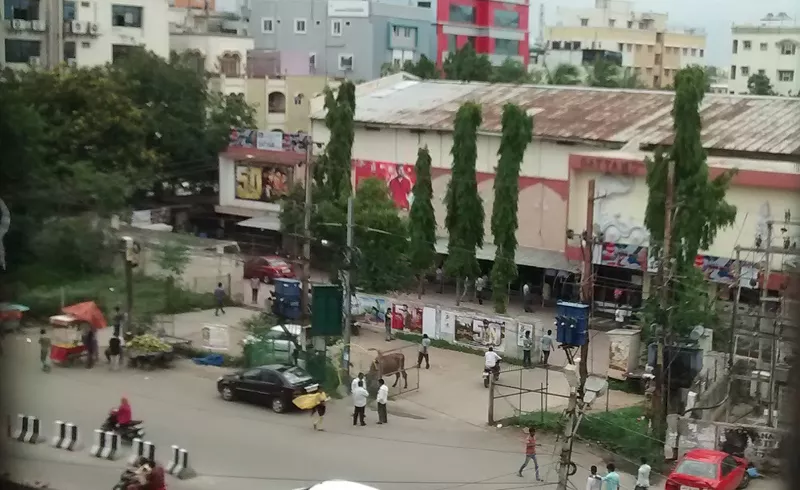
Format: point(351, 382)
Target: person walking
point(527, 345)
point(530, 453)
point(547, 344)
point(387, 324)
point(423, 352)
point(526, 297)
point(44, 350)
point(440, 279)
point(118, 319)
point(360, 396)
point(318, 412)
point(114, 352)
point(643, 476)
point(594, 482)
point(479, 284)
point(90, 342)
point(619, 317)
point(612, 478)
point(255, 286)
point(354, 384)
point(219, 297)
point(383, 399)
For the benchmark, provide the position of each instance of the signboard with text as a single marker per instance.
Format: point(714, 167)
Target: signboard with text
point(262, 183)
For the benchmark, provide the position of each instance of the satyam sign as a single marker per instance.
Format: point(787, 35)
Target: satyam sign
point(608, 165)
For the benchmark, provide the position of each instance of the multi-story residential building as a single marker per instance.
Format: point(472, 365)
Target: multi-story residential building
point(497, 28)
point(209, 5)
point(772, 49)
point(80, 32)
point(345, 38)
point(649, 48)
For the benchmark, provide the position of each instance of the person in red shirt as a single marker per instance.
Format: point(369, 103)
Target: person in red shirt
point(124, 412)
point(400, 187)
point(530, 453)
point(155, 479)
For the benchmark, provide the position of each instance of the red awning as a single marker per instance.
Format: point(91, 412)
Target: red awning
point(87, 312)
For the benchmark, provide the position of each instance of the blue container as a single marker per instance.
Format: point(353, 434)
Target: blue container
point(572, 323)
point(287, 288)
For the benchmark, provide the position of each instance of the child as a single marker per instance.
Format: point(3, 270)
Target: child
point(44, 350)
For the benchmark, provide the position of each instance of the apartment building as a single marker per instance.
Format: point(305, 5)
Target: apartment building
point(771, 48)
point(648, 47)
point(80, 32)
point(209, 5)
point(497, 28)
point(345, 38)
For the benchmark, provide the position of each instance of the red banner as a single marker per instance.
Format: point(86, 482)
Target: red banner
point(407, 317)
point(399, 178)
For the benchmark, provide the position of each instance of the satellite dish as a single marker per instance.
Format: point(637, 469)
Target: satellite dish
point(697, 333)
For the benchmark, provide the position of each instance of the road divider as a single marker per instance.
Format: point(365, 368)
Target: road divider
point(106, 445)
point(66, 436)
point(142, 449)
point(28, 430)
point(179, 466)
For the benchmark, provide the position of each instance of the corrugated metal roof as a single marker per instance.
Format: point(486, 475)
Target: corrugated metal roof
point(730, 122)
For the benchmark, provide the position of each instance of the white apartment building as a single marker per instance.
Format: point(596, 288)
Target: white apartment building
point(80, 32)
point(647, 45)
point(771, 48)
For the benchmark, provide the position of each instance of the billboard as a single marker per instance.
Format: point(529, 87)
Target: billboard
point(262, 183)
point(399, 178)
point(480, 332)
point(267, 140)
point(620, 255)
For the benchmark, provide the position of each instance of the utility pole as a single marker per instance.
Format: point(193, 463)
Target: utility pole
point(346, 291)
point(305, 296)
point(587, 284)
point(734, 314)
point(665, 270)
point(574, 412)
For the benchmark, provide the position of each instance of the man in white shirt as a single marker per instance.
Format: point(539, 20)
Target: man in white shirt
point(643, 477)
point(594, 482)
point(491, 359)
point(355, 382)
point(619, 317)
point(360, 396)
point(382, 399)
point(479, 284)
point(526, 297)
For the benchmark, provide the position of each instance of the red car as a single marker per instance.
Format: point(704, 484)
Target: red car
point(707, 469)
point(268, 268)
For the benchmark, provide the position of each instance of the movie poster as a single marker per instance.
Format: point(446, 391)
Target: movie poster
point(407, 317)
point(399, 179)
point(369, 309)
point(480, 332)
point(262, 183)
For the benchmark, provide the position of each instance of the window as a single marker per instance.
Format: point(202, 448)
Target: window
point(747, 45)
point(21, 51)
point(462, 13)
point(685, 51)
point(252, 375)
point(584, 22)
point(629, 47)
point(638, 48)
point(406, 32)
point(694, 51)
point(659, 37)
point(611, 22)
point(425, 5)
point(733, 72)
point(312, 62)
point(69, 50)
point(699, 469)
point(735, 46)
point(649, 71)
point(86, 44)
point(649, 48)
point(506, 18)
point(452, 43)
point(762, 72)
point(126, 16)
point(300, 26)
point(763, 46)
point(785, 75)
point(276, 104)
point(230, 64)
point(556, 45)
point(336, 28)
point(657, 59)
point(630, 24)
point(267, 25)
point(69, 10)
point(397, 58)
point(120, 52)
point(788, 49)
point(621, 47)
point(271, 378)
point(346, 62)
point(728, 464)
point(642, 25)
point(702, 53)
point(506, 47)
point(656, 81)
point(21, 9)
point(744, 71)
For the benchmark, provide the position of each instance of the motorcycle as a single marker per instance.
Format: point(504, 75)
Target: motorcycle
point(127, 432)
point(489, 372)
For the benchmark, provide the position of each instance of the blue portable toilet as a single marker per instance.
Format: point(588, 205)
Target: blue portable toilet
point(287, 288)
point(287, 298)
point(572, 323)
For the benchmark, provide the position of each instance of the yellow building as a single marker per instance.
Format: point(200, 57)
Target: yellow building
point(648, 47)
point(283, 103)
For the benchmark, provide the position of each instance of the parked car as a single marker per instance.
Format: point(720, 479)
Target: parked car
point(268, 268)
point(275, 385)
point(338, 485)
point(707, 469)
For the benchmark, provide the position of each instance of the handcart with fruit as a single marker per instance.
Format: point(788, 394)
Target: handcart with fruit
point(69, 329)
point(148, 352)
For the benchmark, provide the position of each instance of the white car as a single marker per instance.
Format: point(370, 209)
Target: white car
point(338, 485)
point(282, 343)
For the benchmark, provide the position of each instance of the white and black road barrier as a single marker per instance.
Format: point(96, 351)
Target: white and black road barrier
point(142, 449)
point(179, 466)
point(106, 445)
point(66, 436)
point(29, 429)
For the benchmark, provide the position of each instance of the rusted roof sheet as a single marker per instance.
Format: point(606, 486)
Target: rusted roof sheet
point(730, 122)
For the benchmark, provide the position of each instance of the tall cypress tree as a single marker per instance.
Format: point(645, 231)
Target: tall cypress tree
point(465, 214)
point(333, 169)
point(517, 134)
point(422, 220)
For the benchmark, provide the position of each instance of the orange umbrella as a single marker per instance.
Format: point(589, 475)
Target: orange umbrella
point(87, 312)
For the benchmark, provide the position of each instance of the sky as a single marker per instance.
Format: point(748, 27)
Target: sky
point(715, 16)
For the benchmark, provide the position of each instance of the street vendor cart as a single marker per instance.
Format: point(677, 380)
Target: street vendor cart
point(68, 331)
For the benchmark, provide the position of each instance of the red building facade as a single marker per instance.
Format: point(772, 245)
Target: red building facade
point(497, 28)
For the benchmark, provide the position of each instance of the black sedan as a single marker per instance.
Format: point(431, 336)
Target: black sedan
point(275, 384)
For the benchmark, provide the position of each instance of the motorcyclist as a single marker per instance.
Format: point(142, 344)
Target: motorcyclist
point(123, 414)
point(491, 361)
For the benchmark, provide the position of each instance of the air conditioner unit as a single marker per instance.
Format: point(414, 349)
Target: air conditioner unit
point(77, 27)
point(94, 28)
point(18, 24)
point(34, 61)
point(38, 25)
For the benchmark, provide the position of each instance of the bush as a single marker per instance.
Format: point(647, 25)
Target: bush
point(324, 370)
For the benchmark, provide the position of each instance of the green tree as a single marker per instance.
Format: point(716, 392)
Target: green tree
point(759, 84)
point(422, 220)
point(425, 68)
point(332, 170)
point(172, 256)
point(517, 134)
point(511, 71)
point(293, 216)
point(467, 65)
point(465, 213)
point(699, 210)
point(564, 74)
point(603, 73)
point(629, 79)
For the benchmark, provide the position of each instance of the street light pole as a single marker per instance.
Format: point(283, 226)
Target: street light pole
point(345, 366)
point(305, 296)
